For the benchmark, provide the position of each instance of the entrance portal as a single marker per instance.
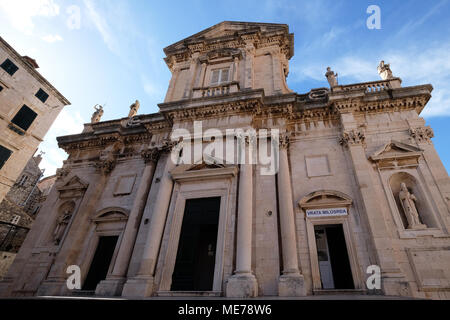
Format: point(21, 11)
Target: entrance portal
point(196, 255)
point(100, 262)
point(334, 265)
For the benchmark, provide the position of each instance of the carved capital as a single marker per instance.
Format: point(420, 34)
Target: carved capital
point(352, 137)
point(151, 155)
point(61, 173)
point(422, 134)
point(106, 162)
point(170, 145)
point(284, 141)
point(105, 166)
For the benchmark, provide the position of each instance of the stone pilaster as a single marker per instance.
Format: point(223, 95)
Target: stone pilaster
point(142, 284)
point(113, 285)
point(243, 283)
point(353, 138)
point(291, 282)
point(249, 70)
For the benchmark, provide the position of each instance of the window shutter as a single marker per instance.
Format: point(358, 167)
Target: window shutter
point(215, 77)
point(4, 155)
point(9, 67)
point(42, 95)
point(224, 75)
point(24, 118)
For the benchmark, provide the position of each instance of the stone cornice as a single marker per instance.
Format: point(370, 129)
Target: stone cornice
point(231, 35)
point(317, 105)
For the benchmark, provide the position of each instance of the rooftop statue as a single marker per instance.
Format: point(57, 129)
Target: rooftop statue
point(98, 113)
point(134, 109)
point(331, 77)
point(384, 70)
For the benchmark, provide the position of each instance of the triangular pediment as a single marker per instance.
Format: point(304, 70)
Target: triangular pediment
point(228, 28)
point(74, 183)
point(395, 149)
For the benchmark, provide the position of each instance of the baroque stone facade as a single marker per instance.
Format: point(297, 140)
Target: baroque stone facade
point(355, 165)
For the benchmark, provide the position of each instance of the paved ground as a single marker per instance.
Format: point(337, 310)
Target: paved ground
point(314, 297)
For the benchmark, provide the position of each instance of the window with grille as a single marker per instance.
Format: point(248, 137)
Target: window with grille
point(9, 67)
point(24, 118)
point(15, 219)
point(22, 180)
point(4, 155)
point(219, 76)
point(42, 95)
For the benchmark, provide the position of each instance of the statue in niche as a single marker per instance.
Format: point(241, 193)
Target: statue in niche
point(62, 222)
point(134, 109)
point(384, 70)
point(97, 115)
point(331, 77)
point(408, 200)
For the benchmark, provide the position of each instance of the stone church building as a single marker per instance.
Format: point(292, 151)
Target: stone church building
point(357, 186)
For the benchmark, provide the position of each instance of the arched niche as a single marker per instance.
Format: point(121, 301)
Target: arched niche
point(64, 216)
point(413, 186)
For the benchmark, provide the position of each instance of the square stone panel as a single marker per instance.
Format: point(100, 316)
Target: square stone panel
point(124, 185)
point(431, 267)
point(317, 166)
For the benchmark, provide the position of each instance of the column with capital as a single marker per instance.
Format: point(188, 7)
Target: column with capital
point(371, 194)
point(113, 284)
point(243, 283)
point(142, 284)
point(291, 282)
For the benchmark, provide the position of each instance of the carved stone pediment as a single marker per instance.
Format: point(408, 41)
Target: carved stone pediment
point(74, 187)
point(325, 199)
point(111, 214)
point(202, 171)
point(202, 166)
point(396, 154)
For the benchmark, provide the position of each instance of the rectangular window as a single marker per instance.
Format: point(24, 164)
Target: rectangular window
point(24, 118)
point(4, 155)
point(42, 95)
point(9, 67)
point(1, 88)
point(219, 76)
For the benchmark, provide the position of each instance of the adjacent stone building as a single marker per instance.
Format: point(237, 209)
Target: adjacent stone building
point(18, 211)
point(179, 203)
point(29, 105)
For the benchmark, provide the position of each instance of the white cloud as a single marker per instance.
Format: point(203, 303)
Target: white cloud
point(52, 38)
point(101, 25)
point(68, 122)
point(21, 12)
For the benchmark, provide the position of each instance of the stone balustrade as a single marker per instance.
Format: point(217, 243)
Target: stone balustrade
point(218, 90)
point(372, 86)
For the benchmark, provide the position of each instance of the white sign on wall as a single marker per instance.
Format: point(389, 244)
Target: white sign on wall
point(331, 212)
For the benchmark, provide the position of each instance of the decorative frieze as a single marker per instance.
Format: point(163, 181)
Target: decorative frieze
point(422, 134)
point(352, 137)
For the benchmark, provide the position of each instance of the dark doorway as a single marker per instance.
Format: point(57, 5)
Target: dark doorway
point(196, 255)
point(100, 262)
point(334, 264)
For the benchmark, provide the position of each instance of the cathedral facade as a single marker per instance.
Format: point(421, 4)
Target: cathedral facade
point(240, 187)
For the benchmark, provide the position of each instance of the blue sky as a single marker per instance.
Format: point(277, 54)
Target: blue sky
point(114, 55)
